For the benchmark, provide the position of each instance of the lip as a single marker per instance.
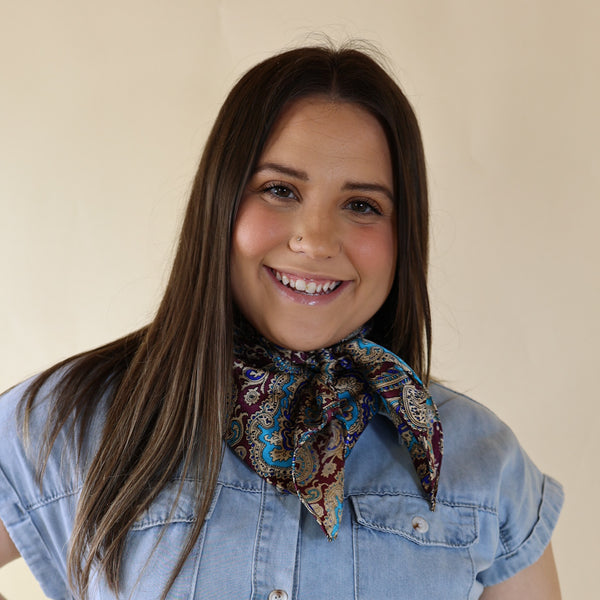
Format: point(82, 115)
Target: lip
point(302, 298)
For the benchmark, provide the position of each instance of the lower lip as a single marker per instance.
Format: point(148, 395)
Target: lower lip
point(307, 299)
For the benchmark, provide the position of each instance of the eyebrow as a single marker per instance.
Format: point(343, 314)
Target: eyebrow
point(358, 186)
point(368, 187)
point(270, 166)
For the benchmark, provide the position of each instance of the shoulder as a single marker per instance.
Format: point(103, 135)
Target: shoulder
point(22, 440)
point(11, 398)
point(480, 450)
point(12, 411)
point(38, 508)
point(485, 465)
point(482, 455)
point(460, 412)
point(17, 431)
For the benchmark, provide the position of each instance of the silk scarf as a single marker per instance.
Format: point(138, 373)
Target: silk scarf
point(297, 415)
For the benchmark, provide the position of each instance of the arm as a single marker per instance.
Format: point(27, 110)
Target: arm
point(537, 582)
point(8, 551)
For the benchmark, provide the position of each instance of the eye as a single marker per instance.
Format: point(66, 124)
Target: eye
point(364, 207)
point(279, 190)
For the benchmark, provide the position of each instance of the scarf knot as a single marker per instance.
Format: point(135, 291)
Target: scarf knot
point(297, 415)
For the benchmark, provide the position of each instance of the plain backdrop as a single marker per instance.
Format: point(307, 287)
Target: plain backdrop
point(104, 109)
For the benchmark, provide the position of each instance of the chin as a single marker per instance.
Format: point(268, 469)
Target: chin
point(306, 343)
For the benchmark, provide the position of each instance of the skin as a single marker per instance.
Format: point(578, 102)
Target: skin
point(537, 582)
point(319, 207)
point(8, 551)
point(325, 176)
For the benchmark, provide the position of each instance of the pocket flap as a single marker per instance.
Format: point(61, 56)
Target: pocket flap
point(161, 511)
point(410, 516)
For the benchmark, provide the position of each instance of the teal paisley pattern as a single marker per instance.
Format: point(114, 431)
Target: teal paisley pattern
point(297, 415)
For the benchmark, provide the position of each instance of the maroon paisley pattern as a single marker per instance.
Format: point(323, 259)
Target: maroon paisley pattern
point(297, 415)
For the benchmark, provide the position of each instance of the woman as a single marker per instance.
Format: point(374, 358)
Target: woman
point(302, 262)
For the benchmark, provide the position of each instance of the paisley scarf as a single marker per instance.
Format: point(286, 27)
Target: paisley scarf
point(297, 415)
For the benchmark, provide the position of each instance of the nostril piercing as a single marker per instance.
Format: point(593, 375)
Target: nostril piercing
point(299, 238)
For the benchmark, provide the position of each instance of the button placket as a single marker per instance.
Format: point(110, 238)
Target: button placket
point(275, 551)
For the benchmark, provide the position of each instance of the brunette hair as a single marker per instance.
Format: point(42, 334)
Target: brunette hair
point(168, 383)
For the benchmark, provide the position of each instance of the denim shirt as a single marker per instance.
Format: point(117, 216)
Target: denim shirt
point(494, 516)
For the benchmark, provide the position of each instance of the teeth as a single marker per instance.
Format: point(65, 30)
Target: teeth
point(309, 287)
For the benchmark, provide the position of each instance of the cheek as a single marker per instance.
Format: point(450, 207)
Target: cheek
point(255, 232)
point(376, 254)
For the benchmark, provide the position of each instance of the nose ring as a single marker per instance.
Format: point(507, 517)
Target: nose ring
point(299, 238)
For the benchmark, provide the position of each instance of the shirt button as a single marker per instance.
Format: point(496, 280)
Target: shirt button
point(278, 595)
point(420, 524)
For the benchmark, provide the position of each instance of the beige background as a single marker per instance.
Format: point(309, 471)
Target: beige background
point(104, 108)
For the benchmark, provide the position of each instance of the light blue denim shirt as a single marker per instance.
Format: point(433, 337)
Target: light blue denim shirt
point(494, 516)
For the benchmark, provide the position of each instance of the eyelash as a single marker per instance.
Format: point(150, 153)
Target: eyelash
point(272, 188)
point(372, 207)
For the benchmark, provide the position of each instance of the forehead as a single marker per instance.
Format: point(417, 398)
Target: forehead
point(318, 128)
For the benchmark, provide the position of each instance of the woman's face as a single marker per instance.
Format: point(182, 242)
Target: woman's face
point(313, 251)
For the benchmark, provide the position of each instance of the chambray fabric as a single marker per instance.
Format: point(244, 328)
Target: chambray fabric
point(494, 516)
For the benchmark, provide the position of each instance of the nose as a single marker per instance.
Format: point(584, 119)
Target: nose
point(316, 236)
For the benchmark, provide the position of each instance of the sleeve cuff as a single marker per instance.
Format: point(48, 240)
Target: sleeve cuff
point(533, 546)
point(30, 543)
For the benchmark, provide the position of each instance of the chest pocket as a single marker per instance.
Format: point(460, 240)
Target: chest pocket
point(155, 542)
point(400, 544)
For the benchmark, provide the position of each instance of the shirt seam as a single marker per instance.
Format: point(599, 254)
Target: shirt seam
point(441, 501)
point(241, 487)
point(56, 497)
point(257, 541)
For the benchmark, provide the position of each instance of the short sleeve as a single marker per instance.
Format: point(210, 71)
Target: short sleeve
point(485, 466)
point(529, 504)
point(39, 521)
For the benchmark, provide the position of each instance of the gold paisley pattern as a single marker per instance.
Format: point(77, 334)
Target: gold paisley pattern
point(297, 415)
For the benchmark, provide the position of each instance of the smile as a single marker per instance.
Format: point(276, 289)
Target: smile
point(308, 287)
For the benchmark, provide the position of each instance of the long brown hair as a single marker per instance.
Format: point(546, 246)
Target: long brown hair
point(168, 382)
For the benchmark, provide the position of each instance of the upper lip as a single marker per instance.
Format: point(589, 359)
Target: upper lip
point(317, 277)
